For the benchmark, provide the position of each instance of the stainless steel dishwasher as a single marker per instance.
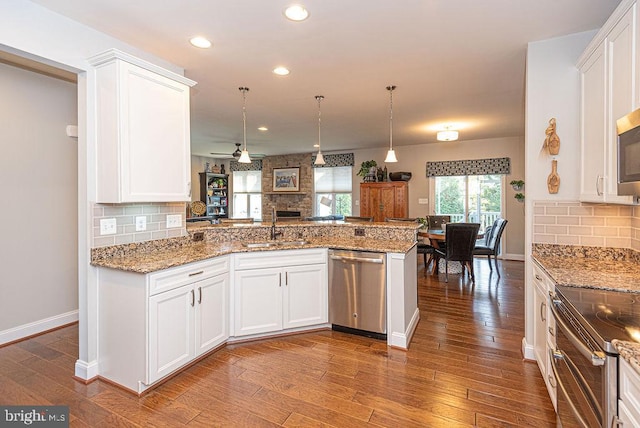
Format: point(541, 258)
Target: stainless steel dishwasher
point(358, 292)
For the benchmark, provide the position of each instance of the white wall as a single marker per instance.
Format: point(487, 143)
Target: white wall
point(39, 221)
point(414, 159)
point(553, 90)
point(34, 32)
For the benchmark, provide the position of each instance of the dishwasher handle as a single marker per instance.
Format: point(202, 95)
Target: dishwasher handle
point(356, 259)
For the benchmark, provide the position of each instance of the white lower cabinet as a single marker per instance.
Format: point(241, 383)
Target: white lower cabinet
point(185, 323)
point(291, 293)
point(629, 402)
point(153, 324)
point(544, 328)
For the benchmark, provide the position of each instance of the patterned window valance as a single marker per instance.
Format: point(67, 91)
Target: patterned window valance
point(255, 165)
point(469, 167)
point(343, 159)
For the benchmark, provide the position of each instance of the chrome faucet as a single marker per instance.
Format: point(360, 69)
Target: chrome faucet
point(274, 234)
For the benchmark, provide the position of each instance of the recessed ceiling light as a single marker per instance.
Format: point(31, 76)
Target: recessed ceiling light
point(263, 128)
point(296, 12)
point(200, 42)
point(281, 71)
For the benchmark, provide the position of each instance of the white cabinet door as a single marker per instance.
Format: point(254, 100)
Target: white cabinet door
point(625, 417)
point(211, 322)
point(540, 329)
point(305, 298)
point(143, 131)
point(171, 322)
point(593, 130)
point(621, 57)
point(257, 301)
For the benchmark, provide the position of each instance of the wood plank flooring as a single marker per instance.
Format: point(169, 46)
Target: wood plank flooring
point(464, 368)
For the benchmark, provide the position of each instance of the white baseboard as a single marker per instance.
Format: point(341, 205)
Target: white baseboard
point(518, 257)
point(401, 340)
point(86, 370)
point(527, 350)
point(37, 327)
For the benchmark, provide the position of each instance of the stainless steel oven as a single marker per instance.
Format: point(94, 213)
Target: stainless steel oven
point(585, 363)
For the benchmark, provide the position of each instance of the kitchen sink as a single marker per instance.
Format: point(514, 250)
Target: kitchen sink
point(274, 244)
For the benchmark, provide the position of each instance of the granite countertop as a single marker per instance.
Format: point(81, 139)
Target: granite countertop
point(617, 275)
point(630, 351)
point(152, 261)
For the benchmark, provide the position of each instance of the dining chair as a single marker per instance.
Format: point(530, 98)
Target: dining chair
point(422, 247)
point(350, 219)
point(461, 239)
point(438, 221)
point(491, 246)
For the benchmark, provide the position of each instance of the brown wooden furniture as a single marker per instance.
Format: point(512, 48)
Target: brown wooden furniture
point(384, 200)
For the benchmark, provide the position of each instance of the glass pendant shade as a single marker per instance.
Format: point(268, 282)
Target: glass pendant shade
point(391, 157)
point(319, 159)
point(244, 156)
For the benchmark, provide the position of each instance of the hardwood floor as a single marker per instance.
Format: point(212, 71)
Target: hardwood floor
point(464, 368)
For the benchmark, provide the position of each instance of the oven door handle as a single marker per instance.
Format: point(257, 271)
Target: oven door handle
point(597, 358)
point(563, 389)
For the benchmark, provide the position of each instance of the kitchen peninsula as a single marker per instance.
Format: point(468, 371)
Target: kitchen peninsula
point(164, 304)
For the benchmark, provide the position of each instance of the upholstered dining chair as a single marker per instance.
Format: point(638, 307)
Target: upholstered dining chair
point(461, 239)
point(491, 246)
point(427, 251)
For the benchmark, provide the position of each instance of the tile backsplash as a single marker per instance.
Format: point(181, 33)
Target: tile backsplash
point(577, 223)
point(125, 215)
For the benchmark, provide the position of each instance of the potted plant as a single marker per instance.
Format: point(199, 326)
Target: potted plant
point(365, 166)
point(517, 184)
point(519, 197)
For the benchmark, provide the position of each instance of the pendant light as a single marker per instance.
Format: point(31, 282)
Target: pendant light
point(391, 154)
point(319, 157)
point(244, 156)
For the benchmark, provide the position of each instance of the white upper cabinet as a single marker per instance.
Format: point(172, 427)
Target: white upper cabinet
point(143, 131)
point(608, 87)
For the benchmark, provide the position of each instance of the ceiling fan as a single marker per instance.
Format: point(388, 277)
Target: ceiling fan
point(236, 154)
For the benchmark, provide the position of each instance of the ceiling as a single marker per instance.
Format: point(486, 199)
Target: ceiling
point(460, 62)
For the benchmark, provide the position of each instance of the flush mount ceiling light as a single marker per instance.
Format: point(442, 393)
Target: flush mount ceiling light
point(319, 157)
point(296, 13)
point(263, 129)
point(281, 71)
point(200, 42)
point(391, 154)
point(244, 156)
point(448, 134)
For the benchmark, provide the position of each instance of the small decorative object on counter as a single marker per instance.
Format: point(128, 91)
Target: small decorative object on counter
point(222, 169)
point(207, 167)
point(553, 181)
point(385, 174)
point(552, 141)
point(380, 175)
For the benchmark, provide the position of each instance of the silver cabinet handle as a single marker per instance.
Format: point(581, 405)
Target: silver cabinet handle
point(196, 273)
point(279, 279)
point(199, 294)
point(286, 278)
point(597, 358)
point(551, 332)
point(599, 180)
point(552, 381)
point(543, 307)
point(193, 298)
point(357, 259)
point(538, 277)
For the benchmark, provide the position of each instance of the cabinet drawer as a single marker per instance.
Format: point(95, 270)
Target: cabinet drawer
point(541, 279)
point(175, 277)
point(630, 388)
point(283, 258)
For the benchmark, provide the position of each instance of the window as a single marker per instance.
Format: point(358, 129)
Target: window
point(247, 194)
point(332, 187)
point(469, 198)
